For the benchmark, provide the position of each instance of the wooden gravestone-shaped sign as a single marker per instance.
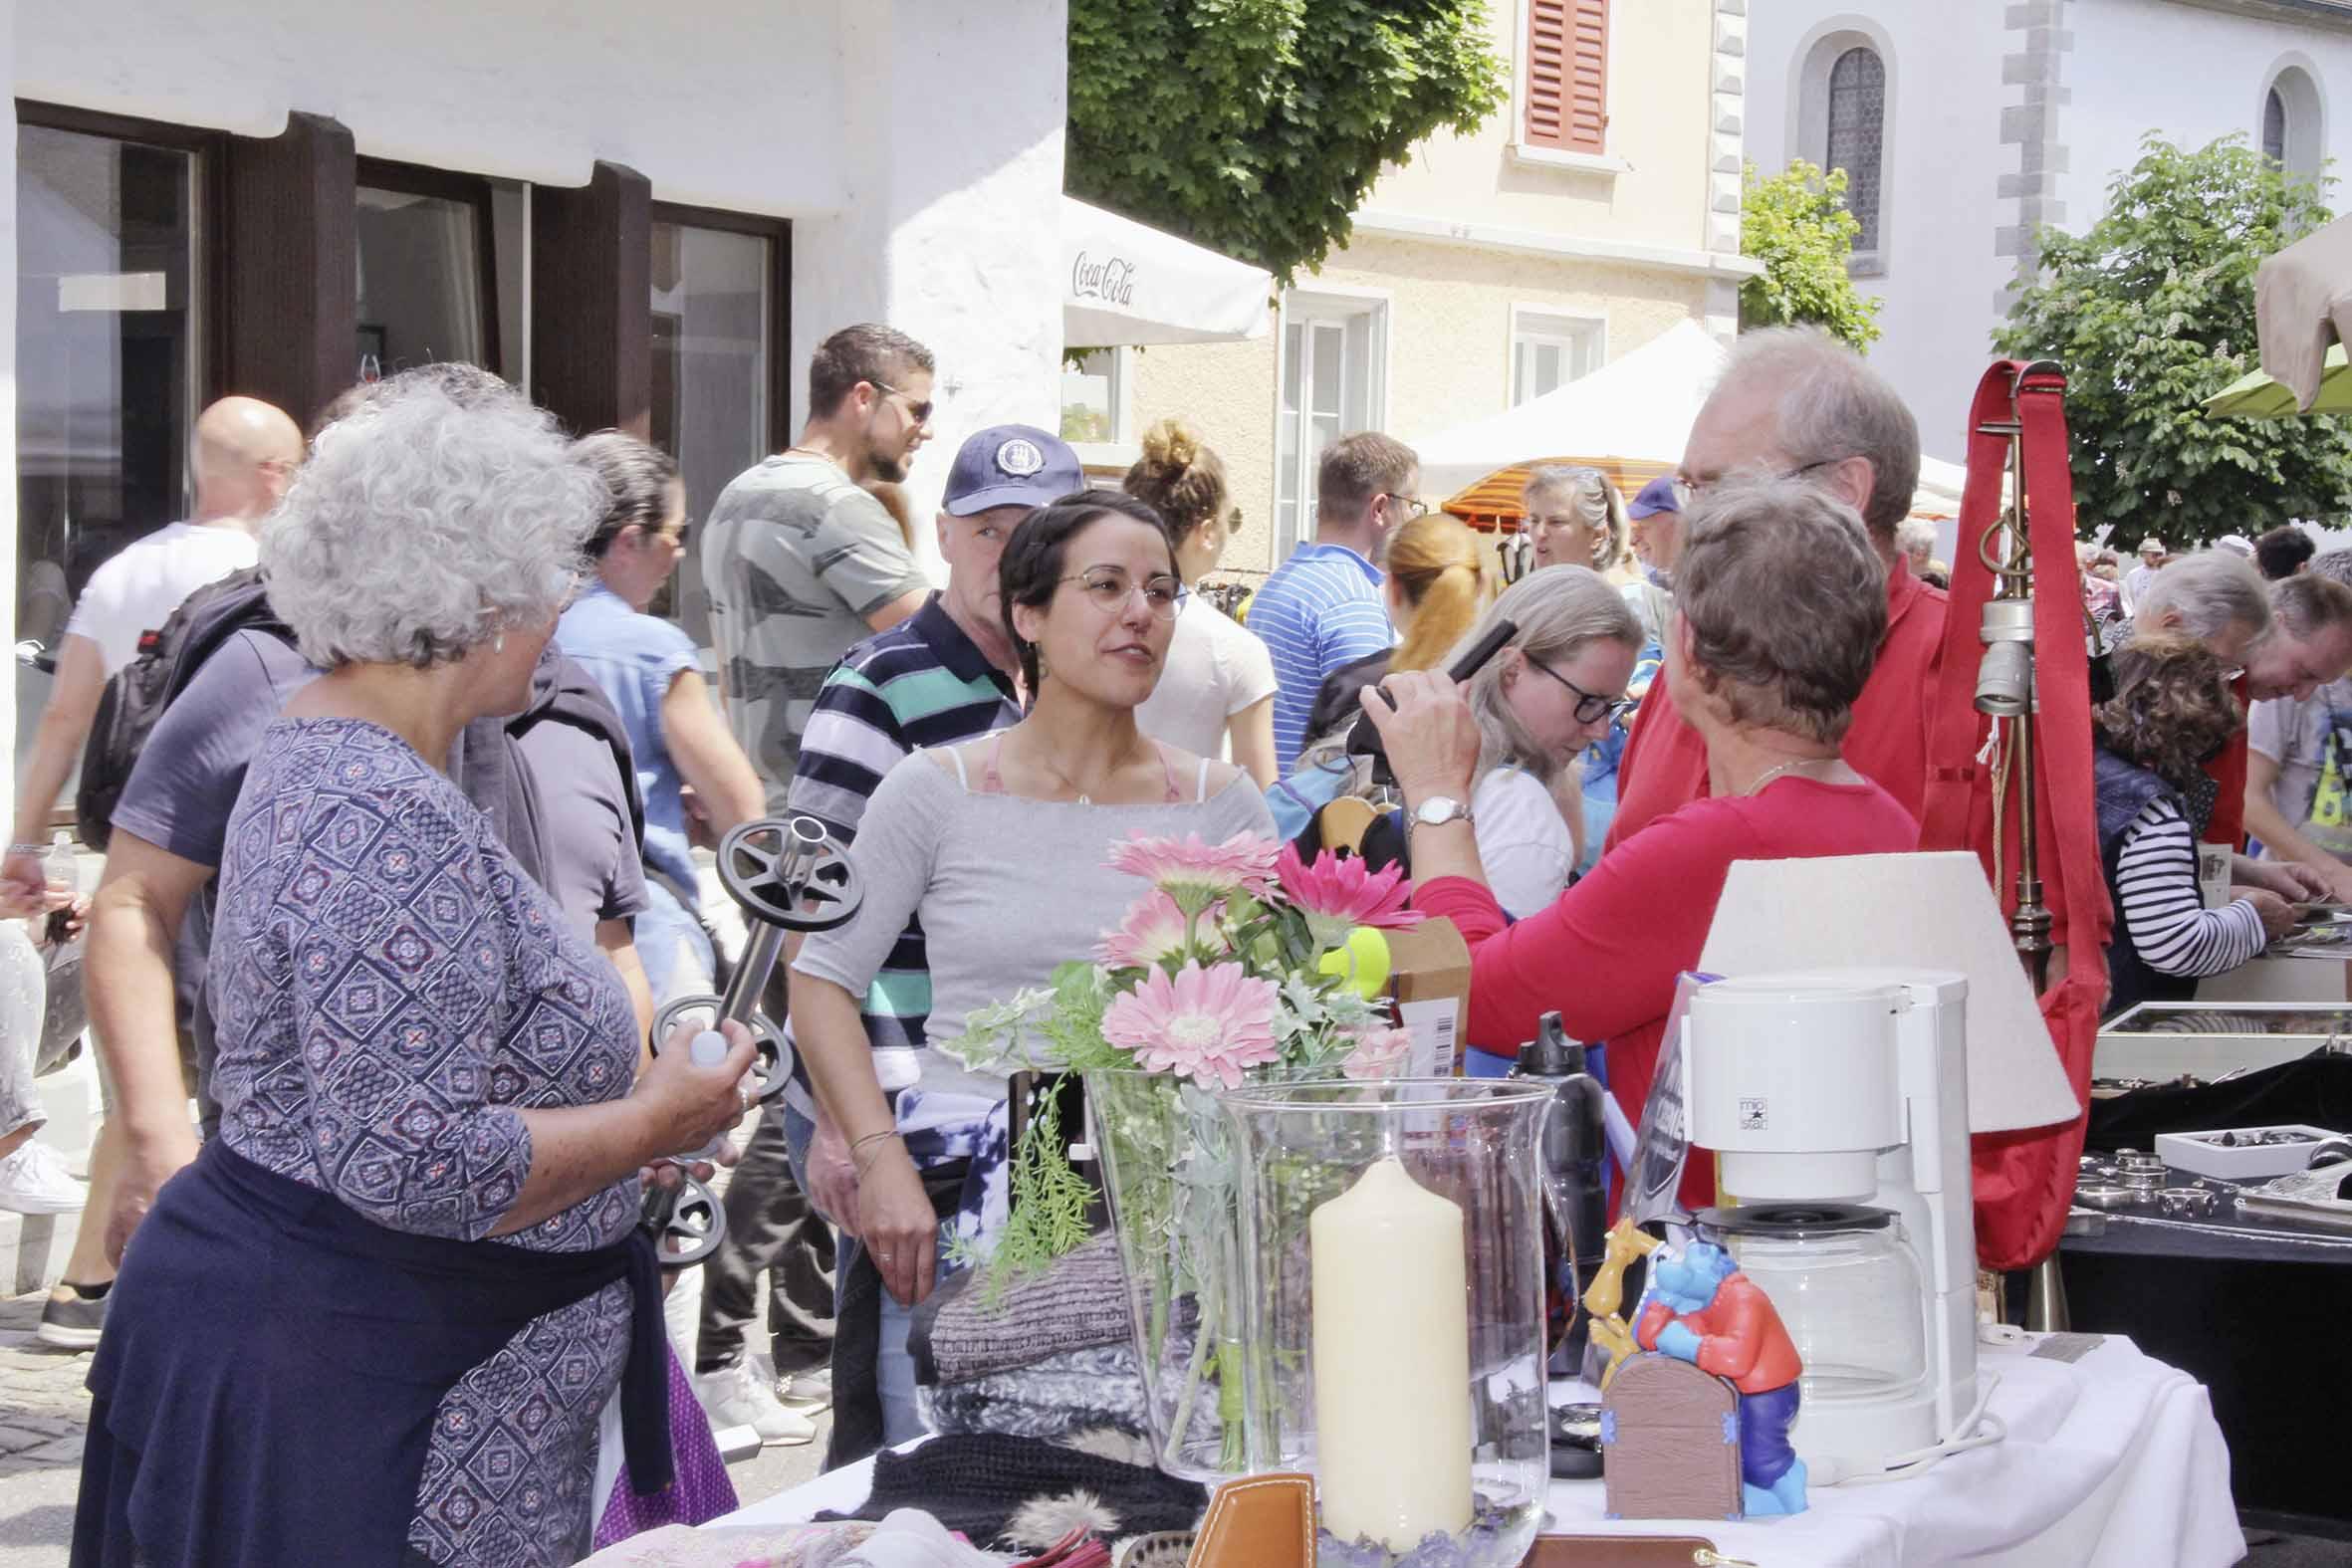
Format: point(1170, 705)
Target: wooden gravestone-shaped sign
point(1670, 1441)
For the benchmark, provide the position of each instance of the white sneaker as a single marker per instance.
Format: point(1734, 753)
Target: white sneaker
point(34, 1181)
point(737, 1396)
point(807, 1392)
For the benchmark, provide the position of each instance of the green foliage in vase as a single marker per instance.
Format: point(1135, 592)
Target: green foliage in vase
point(1048, 1205)
point(1795, 222)
point(1256, 127)
point(2150, 312)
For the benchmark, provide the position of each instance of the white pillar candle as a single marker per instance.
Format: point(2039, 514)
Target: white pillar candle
point(1391, 1361)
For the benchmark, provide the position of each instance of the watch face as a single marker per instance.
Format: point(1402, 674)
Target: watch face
point(1438, 809)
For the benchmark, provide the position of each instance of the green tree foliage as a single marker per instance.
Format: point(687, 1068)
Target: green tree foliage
point(2150, 313)
point(1255, 127)
point(1796, 224)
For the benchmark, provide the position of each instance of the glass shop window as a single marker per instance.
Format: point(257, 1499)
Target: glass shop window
point(716, 322)
point(107, 365)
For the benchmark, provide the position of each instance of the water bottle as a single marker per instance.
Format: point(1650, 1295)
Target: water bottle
point(1576, 1197)
point(58, 871)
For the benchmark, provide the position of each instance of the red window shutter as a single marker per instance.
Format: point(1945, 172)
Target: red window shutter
point(1567, 74)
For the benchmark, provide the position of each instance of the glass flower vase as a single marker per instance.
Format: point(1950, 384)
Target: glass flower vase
point(1164, 1149)
point(1393, 1311)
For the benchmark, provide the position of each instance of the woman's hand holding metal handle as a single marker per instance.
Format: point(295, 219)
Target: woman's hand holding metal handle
point(696, 1090)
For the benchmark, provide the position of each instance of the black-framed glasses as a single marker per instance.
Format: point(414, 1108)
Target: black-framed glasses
point(1109, 589)
point(1589, 705)
point(920, 412)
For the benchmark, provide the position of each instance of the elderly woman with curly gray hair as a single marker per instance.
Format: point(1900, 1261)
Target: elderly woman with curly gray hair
point(378, 1321)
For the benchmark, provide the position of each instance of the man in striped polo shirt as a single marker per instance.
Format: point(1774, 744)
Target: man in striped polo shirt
point(943, 675)
point(1323, 607)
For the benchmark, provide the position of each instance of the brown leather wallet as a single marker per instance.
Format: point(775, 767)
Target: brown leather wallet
point(1624, 1551)
point(1259, 1521)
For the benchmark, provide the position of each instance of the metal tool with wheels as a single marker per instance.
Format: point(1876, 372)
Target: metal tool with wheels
point(787, 874)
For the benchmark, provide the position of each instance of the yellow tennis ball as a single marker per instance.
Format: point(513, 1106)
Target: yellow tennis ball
point(1361, 961)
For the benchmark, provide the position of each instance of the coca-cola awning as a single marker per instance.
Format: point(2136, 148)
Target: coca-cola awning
point(1122, 283)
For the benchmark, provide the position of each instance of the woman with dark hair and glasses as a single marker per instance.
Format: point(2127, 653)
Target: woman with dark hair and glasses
point(1779, 606)
point(999, 847)
point(650, 671)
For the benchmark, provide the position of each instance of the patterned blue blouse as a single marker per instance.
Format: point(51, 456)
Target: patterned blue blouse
point(392, 990)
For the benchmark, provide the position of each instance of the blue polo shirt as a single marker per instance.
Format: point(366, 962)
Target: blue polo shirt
point(1322, 609)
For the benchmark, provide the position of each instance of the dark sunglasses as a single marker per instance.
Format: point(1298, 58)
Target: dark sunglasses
point(920, 412)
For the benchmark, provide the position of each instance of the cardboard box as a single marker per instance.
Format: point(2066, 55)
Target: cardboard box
point(1429, 988)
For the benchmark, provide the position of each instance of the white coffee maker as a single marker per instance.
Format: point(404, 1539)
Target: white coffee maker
point(1850, 1088)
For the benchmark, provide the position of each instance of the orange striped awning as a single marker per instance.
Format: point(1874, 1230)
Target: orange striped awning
point(1493, 503)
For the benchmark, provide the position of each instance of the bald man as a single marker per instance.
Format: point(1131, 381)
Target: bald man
point(245, 452)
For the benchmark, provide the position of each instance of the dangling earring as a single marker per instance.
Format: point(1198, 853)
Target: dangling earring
point(498, 643)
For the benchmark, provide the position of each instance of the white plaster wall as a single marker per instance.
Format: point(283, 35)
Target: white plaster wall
point(915, 144)
point(2191, 72)
point(733, 103)
point(1939, 205)
point(950, 229)
point(1660, 55)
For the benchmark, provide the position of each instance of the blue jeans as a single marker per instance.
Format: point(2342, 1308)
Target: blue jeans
point(895, 1363)
point(667, 935)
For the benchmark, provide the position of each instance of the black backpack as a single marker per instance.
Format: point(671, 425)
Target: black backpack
point(137, 695)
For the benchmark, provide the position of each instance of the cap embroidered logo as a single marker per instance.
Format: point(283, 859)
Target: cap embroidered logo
point(1019, 458)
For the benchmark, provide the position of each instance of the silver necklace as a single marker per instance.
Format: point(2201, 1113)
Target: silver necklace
point(1771, 774)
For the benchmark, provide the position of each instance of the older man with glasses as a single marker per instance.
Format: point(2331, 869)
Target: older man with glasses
point(1793, 403)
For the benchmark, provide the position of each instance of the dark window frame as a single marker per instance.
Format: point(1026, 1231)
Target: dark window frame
point(418, 179)
point(210, 206)
point(779, 233)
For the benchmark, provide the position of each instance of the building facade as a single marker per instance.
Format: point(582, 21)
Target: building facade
point(1965, 127)
point(647, 219)
point(1594, 210)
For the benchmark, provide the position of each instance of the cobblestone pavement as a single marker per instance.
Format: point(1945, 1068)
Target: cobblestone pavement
point(41, 1410)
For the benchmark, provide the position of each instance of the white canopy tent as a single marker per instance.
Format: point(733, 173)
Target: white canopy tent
point(1125, 283)
point(1639, 407)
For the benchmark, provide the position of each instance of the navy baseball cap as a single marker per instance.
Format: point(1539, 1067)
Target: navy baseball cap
point(1011, 466)
point(1657, 496)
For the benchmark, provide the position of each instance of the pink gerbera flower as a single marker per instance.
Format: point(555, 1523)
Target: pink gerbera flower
point(1205, 1024)
point(1378, 1054)
point(1153, 930)
point(1194, 873)
point(1337, 894)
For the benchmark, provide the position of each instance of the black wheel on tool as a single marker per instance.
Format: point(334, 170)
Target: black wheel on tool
point(697, 1224)
point(789, 872)
point(772, 1059)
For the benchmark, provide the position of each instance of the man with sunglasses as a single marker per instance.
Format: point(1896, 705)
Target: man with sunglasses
point(1794, 402)
point(801, 562)
point(1321, 609)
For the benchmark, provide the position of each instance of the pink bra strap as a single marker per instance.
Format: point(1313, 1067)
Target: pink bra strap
point(1167, 771)
point(990, 780)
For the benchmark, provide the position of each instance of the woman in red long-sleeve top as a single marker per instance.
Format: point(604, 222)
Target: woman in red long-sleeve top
point(1779, 606)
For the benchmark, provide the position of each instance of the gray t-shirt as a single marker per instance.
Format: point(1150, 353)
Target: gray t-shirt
point(2311, 741)
point(594, 868)
point(1006, 889)
point(796, 556)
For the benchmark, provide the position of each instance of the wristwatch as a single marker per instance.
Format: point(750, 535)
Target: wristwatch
point(1440, 808)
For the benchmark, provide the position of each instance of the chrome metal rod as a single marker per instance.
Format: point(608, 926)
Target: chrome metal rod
point(749, 982)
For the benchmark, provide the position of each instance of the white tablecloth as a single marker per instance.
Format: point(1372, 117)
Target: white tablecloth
point(2111, 1461)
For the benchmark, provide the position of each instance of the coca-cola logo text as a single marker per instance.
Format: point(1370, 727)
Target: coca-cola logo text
point(1112, 281)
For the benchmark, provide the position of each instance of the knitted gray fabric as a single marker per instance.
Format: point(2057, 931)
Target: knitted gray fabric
point(1077, 1304)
